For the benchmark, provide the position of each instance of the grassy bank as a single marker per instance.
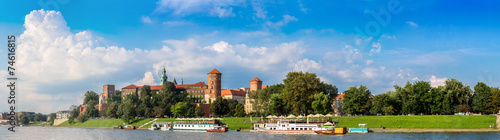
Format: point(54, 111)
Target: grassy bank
point(103, 123)
point(406, 122)
point(431, 121)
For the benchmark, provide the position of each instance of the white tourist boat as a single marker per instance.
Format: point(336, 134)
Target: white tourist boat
point(164, 126)
point(291, 126)
point(196, 124)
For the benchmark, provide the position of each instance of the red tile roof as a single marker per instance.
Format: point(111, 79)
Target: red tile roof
point(130, 86)
point(255, 79)
point(186, 86)
point(340, 95)
point(237, 92)
point(214, 71)
point(264, 86)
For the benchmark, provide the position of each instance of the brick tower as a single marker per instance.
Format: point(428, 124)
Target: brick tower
point(108, 90)
point(255, 84)
point(214, 85)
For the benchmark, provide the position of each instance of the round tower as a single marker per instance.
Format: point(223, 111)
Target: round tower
point(255, 84)
point(214, 85)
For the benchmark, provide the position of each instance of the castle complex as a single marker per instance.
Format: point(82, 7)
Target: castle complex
point(204, 94)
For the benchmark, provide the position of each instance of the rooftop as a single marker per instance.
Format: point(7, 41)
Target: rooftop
point(255, 79)
point(214, 71)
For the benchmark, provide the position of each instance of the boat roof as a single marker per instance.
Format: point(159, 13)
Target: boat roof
point(195, 119)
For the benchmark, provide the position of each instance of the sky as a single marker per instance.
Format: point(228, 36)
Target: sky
point(67, 47)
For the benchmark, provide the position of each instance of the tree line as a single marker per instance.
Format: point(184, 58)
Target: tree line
point(420, 98)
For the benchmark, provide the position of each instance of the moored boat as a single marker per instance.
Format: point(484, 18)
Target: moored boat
point(129, 127)
point(196, 124)
point(217, 129)
point(292, 126)
point(331, 130)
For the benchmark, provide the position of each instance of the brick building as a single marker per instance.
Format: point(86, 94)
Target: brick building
point(255, 85)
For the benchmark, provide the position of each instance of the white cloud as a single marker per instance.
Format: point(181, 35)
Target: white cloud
point(186, 7)
point(146, 19)
point(302, 7)
point(369, 62)
point(258, 7)
point(221, 47)
point(147, 80)
point(286, 19)
point(411, 23)
point(376, 48)
point(306, 65)
point(435, 81)
point(352, 54)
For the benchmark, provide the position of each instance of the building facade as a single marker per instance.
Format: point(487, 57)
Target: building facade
point(255, 85)
point(63, 114)
point(214, 85)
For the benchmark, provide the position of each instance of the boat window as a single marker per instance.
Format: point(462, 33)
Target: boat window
point(287, 128)
point(293, 128)
point(310, 128)
point(282, 125)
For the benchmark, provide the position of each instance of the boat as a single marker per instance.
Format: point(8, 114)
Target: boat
point(160, 126)
point(129, 127)
point(291, 126)
point(218, 129)
point(118, 127)
point(362, 129)
point(196, 124)
point(331, 130)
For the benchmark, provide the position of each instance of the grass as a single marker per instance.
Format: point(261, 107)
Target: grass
point(103, 123)
point(424, 122)
point(38, 124)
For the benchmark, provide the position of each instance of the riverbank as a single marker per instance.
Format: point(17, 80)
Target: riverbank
point(432, 130)
point(434, 123)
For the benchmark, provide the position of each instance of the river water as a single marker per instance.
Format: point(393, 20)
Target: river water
point(63, 133)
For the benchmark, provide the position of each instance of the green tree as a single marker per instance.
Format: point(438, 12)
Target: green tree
point(219, 107)
point(240, 110)
point(437, 100)
point(36, 119)
point(127, 111)
point(381, 102)
point(179, 109)
point(158, 111)
point(482, 93)
point(24, 119)
point(82, 118)
point(52, 118)
point(145, 91)
point(75, 112)
point(199, 111)
point(91, 111)
point(455, 94)
point(356, 100)
point(112, 109)
point(322, 103)
point(90, 96)
point(299, 91)
point(493, 103)
point(261, 99)
point(71, 120)
point(231, 105)
point(276, 105)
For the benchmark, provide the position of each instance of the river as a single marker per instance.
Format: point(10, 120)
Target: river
point(63, 133)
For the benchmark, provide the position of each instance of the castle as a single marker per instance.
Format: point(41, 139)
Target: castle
point(204, 94)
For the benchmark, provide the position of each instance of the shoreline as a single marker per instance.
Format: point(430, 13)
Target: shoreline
point(374, 130)
point(420, 130)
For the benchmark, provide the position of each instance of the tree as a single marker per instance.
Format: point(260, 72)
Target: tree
point(127, 111)
point(75, 112)
point(322, 103)
point(71, 120)
point(82, 118)
point(158, 111)
point(464, 108)
point(381, 103)
point(231, 105)
point(388, 109)
point(90, 96)
point(356, 100)
point(111, 110)
point(179, 109)
point(276, 105)
point(239, 110)
point(219, 107)
point(493, 103)
point(52, 118)
point(145, 91)
point(437, 100)
point(299, 91)
point(199, 111)
point(24, 119)
point(91, 111)
point(36, 119)
point(261, 99)
point(481, 94)
point(455, 94)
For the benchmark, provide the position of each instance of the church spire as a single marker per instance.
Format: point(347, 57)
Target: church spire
point(163, 78)
point(182, 80)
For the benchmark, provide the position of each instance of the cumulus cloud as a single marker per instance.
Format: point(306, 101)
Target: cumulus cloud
point(186, 7)
point(286, 19)
point(352, 54)
point(306, 65)
point(376, 48)
point(221, 47)
point(412, 24)
point(146, 19)
point(436, 81)
point(147, 80)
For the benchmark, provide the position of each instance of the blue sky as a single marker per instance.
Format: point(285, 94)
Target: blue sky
point(75, 46)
